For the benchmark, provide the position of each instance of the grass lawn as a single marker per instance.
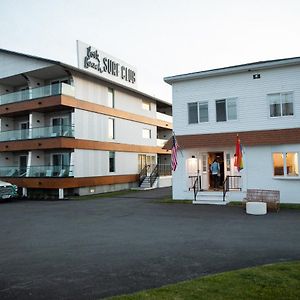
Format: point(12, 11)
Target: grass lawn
point(275, 281)
point(282, 205)
point(103, 195)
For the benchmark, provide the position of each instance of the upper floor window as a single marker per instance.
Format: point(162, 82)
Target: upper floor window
point(111, 128)
point(285, 164)
point(146, 133)
point(112, 161)
point(226, 109)
point(111, 98)
point(281, 104)
point(197, 112)
point(146, 105)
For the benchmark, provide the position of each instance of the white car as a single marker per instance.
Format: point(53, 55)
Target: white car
point(8, 190)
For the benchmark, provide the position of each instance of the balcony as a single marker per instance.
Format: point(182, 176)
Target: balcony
point(164, 117)
point(37, 171)
point(40, 92)
point(161, 142)
point(37, 133)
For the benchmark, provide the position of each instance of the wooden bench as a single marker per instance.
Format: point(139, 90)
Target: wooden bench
point(271, 197)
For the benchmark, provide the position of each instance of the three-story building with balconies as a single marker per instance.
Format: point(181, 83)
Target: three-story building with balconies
point(69, 130)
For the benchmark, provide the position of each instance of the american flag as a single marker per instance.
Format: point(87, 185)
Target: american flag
point(174, 152)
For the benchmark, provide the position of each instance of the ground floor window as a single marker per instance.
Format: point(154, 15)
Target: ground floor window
point(112, 164)
point(285, 164)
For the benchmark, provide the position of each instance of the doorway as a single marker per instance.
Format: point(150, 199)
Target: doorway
point(146, 160)
point(219, 156)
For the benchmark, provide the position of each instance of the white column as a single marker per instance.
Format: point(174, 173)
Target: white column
point(24, 192)
point(61, 193)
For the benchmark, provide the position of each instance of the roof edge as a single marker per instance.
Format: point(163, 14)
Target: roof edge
point(250, 67)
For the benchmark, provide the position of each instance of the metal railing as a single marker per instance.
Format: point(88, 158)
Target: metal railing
point(164, 169)
point(143, 175)
point(39, 92)
point(37, 132)
point(154, 174)
point(195, 185)
point(232, 183)
point(37, 171)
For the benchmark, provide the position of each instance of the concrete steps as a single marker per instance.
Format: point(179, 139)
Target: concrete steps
point(210, 197)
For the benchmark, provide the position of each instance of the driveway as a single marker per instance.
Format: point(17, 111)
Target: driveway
point(96, 248)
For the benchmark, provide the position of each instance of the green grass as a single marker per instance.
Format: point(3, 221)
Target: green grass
point(169, 200)
point(276, 281)
point(282, 205)
point(103, 195)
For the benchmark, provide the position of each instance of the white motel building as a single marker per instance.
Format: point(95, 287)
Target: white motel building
point(69, 130)
point(258, 101)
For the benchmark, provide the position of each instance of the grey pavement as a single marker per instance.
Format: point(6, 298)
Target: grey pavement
point(97, 248)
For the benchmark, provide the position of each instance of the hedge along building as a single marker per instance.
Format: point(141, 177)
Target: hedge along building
point(78, 130)
point(258, 101)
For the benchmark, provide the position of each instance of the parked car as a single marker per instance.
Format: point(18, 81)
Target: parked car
point(8, 190)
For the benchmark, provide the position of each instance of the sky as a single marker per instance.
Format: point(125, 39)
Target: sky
point(159, 38)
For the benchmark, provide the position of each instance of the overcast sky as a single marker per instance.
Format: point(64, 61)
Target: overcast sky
point(160, 38)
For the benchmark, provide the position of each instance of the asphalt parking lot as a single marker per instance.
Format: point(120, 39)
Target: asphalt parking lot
point(97, 248)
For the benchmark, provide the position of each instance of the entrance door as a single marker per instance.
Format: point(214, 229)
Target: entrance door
point(204, 171)
point(22, 165)
point(146, 160)
point(219, 156)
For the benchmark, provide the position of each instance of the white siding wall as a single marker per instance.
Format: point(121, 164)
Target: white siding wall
point(93, 126)
point(90, 89)
point(259, 167)
point(252, 105)
point(96, 163)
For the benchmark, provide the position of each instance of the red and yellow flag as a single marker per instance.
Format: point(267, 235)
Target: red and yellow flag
point(238, 161)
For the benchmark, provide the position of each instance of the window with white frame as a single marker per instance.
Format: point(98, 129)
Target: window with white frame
point(285, 164)
point(146, 133)
point(226, 109)
point(197, 112)
point(111, 98)
point(146, 105)
point(281, 104)
point(111, 128)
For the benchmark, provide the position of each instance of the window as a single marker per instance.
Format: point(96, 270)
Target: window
point(146, 133)
point(193, 112)
point(226, 109)
point(286, 164)
point(281, 104)
point(111, 128)
point(228, 167)
point(146, 105)
point(204, 163)
point(111, 98)
point(60, 126)
point(203, 112)
point(112, 167)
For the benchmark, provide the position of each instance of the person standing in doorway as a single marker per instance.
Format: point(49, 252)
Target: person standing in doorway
point(215, 171)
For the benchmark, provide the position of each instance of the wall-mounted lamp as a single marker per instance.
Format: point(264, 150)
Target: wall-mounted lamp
point(6, 125)
point(193, 156)
point(6, 158)
point(38, 121)
point(37, 156)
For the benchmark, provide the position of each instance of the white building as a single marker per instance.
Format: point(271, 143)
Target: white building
point(78, 130)
point(260, 102)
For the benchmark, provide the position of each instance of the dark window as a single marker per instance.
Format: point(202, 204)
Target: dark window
point(203, 111)
point(221, 110)
point(193, 112)
point(112, 161)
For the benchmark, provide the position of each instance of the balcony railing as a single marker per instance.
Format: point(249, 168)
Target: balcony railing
point(37, 171)
point(164, 117)
point(37, 133)
point(43, 91)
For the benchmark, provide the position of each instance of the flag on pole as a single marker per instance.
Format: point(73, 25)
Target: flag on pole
point(238, 161)
point(174, 152)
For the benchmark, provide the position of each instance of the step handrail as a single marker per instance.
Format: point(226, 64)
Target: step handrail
point(143, 175)
point(154, 174)
point(231, 183)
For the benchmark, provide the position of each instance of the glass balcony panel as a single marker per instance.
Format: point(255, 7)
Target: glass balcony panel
point(39, 92)
point(37, 171)
point(37, 132)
